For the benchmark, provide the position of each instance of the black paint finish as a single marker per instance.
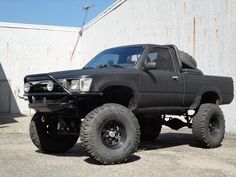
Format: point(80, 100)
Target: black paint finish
point(154, 90)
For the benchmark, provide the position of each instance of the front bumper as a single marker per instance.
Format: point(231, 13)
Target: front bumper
point(66, 102)
point(55, 101)
point(49, 107)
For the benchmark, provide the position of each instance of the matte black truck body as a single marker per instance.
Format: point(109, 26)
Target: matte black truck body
point(154, 90)
point(125, 95)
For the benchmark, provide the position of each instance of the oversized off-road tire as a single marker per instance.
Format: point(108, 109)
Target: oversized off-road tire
point(209, 125)
point(110, 133)
point(44, 136)
point(187, 59)
point(150, 127)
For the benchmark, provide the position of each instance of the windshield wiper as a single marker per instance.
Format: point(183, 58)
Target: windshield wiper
point(111, 65)
point(88, 67)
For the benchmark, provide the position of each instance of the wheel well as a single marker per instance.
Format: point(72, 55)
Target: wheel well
point(118, 94)
point(210, 97)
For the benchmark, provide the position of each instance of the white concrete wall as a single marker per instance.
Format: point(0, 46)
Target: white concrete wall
point(26, 49)
point(205, 29)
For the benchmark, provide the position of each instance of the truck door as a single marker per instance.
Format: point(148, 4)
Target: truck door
point(160, 87)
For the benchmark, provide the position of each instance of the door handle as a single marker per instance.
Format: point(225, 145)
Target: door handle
point(175, 78)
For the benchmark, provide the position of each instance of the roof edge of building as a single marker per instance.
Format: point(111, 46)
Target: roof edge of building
point(104, 13)
point(38, 27)
point(63, 28)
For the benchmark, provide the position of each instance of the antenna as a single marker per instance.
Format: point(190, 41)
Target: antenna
point(86, 9)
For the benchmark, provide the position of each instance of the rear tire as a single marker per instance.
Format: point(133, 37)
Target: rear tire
point(110, 133)
point(209, 125)
point(150, 128)
point(43, 135)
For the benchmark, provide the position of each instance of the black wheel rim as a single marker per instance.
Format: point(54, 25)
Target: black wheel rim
point(214, 125)
point(113, 134)
point(49, 125)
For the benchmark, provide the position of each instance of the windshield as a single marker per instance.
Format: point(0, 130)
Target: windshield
point(117, 57)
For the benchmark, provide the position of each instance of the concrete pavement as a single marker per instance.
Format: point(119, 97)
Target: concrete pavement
point(174, 153)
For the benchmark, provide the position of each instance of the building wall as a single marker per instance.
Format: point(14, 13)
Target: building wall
point(205, 29)
point(29, 49)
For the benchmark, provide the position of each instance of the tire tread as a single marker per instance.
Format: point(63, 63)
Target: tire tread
point(86, 128)
point(200, 130)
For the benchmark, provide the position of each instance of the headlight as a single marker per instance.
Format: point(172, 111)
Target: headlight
point(85, 84)
point(74, 85)
point(64, 82)
point(27, 87)
point(82, 85)
point(50, 86)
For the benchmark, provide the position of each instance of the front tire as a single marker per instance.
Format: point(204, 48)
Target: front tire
point(209, 125)
point(44, 136)
point(110, 133)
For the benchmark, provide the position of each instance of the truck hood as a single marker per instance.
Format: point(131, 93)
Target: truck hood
point(90, 72)
point(94, 73)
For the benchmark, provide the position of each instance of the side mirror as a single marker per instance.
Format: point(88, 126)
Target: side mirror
point(150, 66)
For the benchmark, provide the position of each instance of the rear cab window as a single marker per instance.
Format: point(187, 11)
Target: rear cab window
point(162, 57)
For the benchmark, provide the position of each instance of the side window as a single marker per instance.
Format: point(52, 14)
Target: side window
point(163, 59)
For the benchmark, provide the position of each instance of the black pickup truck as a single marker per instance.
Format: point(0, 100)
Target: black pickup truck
point(124, 95)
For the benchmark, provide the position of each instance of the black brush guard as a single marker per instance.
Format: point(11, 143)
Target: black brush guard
point(61, 100)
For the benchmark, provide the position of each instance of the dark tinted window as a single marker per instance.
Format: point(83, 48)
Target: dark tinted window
point(123, 56)
point(163, 59)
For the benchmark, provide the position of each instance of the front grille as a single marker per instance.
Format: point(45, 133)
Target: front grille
point(40, 94)
point(41, 87)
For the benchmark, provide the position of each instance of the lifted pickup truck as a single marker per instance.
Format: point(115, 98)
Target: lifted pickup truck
point(125, 95)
